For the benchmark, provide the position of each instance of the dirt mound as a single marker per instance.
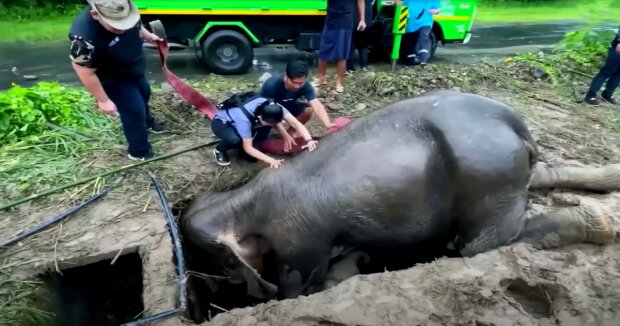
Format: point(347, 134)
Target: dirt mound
point(515, 285)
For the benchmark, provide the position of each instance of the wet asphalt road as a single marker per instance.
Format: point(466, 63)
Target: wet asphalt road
point(50, 61)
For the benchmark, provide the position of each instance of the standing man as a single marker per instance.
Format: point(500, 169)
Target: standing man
point(336, 38)
point(287, 89)
point(421, 19)
point(107, 55)
point(610, 72)
point(360, 39)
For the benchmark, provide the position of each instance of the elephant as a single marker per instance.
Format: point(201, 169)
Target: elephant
point(345, 268)
point(443, 162)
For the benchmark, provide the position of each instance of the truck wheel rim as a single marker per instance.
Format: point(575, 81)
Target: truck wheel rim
point(227, 53)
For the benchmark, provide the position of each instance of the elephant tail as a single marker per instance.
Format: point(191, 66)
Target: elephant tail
point(521, 129)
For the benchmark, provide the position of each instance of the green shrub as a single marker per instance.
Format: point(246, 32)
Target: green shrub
point(29, 111)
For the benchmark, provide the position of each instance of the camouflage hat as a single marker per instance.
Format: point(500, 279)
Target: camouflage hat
point(120, 14)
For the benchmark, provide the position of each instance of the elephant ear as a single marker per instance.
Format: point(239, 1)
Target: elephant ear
point(256, 285)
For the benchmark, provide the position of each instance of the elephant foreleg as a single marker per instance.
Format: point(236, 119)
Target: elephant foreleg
point(604, 178)
point(302, 271)
point(585, 223)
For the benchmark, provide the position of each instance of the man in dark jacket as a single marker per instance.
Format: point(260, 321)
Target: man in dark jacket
point(610, 72)
point(360, 40)
point(107, 55)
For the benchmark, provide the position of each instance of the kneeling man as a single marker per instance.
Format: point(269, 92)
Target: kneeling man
point(287, 89)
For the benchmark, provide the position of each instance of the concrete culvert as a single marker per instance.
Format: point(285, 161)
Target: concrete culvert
point(108, 292)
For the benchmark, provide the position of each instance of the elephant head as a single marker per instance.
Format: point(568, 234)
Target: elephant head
point(209, 224)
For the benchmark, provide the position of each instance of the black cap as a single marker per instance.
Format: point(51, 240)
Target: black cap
point(272, 113)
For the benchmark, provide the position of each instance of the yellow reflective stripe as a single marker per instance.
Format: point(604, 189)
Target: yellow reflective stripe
point(402, 22)
point(459, 18)
point(233, 12)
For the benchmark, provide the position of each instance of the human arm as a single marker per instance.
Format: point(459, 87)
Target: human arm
point(289, 141)
point(310, 143)
point(435, 8)
point(361, 10)
point(81, 55)
point(249, 148)
point(148, 36)
point(316, 105)
point(244, 129)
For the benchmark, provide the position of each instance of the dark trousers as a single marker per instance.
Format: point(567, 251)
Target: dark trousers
point(610, 72)
point(359, 42)
point(131, 99)
point(230, 139)
point(420, 48)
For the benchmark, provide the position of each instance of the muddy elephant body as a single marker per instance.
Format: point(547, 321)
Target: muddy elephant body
point(430, 165)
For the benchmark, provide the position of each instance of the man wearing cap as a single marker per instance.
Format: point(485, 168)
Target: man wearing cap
point(107, 55)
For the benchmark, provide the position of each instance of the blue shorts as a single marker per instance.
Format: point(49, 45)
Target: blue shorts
point(296, 107)
point(335, 44)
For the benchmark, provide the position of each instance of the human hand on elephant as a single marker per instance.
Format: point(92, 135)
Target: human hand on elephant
point(289, 141)
point(310, 145)
point(275, 163)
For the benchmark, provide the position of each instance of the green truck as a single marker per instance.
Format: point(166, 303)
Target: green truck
point(224, 33)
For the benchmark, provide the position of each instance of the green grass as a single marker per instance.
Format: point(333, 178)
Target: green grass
point(43, 29)
point(561, 10)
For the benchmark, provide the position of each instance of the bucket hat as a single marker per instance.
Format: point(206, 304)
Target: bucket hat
point(120, 14)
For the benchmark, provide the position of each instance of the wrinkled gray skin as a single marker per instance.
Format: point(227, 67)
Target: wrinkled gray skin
point(393, 178)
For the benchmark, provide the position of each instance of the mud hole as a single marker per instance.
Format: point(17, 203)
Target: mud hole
point(514, 285)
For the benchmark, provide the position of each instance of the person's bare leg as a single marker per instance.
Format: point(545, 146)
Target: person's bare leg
point(322, 72)
point(341, 66)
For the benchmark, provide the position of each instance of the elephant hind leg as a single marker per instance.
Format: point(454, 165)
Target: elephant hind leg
point(604, 178)
point(588, 222)
point(491, 223)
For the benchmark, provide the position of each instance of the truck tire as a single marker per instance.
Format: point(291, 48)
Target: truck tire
point(227, 52)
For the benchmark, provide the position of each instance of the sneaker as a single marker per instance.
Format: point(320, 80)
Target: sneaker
point(221, 158)
point(141, 158)
point(609, 99)
point(156, 128)
point(592, 100)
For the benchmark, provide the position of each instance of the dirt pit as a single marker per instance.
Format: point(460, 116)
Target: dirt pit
point(516, 284)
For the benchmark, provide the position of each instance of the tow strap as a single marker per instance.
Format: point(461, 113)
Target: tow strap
point(206, 107)
point(188, 93)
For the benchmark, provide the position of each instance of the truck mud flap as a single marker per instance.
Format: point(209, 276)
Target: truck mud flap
point(308, 41)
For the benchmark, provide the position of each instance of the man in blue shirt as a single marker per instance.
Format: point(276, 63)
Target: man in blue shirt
point(609, 72)
point(235, 129)
point(107, 55)
point(287, 89)
point(421, 19)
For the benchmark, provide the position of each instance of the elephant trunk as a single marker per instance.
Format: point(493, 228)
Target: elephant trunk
point(604, 178)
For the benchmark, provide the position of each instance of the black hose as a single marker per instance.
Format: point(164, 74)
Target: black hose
point(59, 218)
point(180, 260)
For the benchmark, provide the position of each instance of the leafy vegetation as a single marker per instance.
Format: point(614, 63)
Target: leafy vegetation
point(43, 131)
point(28, 112)
point(18, 298)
